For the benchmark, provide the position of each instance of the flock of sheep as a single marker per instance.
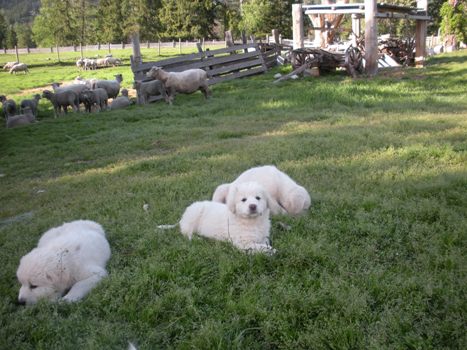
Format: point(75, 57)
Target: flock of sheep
point(94, 63)
point(95, 93)
point(90, 93)
point(15, 67)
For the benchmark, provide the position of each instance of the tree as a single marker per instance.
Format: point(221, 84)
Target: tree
point(11, 40)
point(54, 24)
point(141, 16)
point(187, 19)
point(454, 19)
point(83, 15)
point(3, 30)
point(259, 17)
point(24, 35)
point(110, 21)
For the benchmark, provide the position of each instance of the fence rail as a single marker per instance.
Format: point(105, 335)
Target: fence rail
point(110, 47)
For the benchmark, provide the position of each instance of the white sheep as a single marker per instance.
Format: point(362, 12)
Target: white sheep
point(101, 62)
point(8, 65)
point(89, 83)
point(80, 63)
point(111, 86)
point(77, 88)
point(19, 67)
point(61, 100)
point(21, 119)
point(112, 61)
point(150, 88)
point(121, 101)
point(96, 97)
point(31, 104)
point(185, 82)
point(90, 64)
point(9, 106)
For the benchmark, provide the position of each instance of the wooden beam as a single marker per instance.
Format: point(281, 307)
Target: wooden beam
point(371, 38)
point(420, 36)
point(298, 31)
point(137, 58)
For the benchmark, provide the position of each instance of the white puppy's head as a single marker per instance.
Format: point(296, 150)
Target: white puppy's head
point(248, 200)
point(42, 275)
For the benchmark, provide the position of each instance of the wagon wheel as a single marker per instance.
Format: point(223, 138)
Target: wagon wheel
point(354, 60)
point(298, 58)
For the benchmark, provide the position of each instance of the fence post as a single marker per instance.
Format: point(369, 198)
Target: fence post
point(180, 46)
point(58, 54)
point(123, 44)
point(17, 55)
point(136, 48)
point(148, 45)
point(159, 48)
point(98, 46)
point(81, 50)
point(108, 47)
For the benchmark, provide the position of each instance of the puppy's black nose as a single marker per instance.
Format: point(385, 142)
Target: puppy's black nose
point(252, 207)
point(21, 302)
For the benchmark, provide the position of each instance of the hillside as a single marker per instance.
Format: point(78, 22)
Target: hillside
point(20, 10)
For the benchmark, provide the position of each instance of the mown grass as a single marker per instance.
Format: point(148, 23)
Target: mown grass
point(378, 262)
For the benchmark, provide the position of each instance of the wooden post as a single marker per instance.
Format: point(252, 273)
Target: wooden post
point(371, 38)
point(228, 39)
point(159, 48)
point(204, 45)
point(356, 29)
point(98, 46)
point(137, 59)
point(420, 35)
point(109, 48)
point(17, 55)
point(81, 50)
point(148, 45)
point(298, 31)
point(58, 54)
point(180, 46)
point(275, 36)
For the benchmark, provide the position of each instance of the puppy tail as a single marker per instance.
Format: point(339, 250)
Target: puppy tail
point(167, 227)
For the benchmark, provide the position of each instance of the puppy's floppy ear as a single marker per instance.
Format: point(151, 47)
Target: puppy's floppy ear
point(230, 201)
point(220, 194)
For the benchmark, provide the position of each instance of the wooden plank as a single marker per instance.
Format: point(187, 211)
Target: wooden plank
point(232, 67)
point(371, 38)
point(236, 75)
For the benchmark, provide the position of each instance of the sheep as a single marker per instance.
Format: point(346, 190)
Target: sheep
point(186, 82)
point(21, 119)
point(88, 83)
point(31, 104)
point(145, 89)
point(96, 97)
point(101, 62)
point(77, 88)
point(62, 99)
point(8, 65)
point(111, 86)
point(80, 63)
point(121, 101)
point(112, 61)
point(9, 106)
point(19, 67)
point(90, 63)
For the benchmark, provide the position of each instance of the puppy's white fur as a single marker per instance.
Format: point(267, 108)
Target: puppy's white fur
point(287, 196)
point(68, 262)
point(243, 221)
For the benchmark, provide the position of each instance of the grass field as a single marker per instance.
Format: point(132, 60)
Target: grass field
point(379, 262)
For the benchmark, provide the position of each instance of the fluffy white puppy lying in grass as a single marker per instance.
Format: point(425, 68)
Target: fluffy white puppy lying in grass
point(287, 196)
point(68, 262)
point(243, 221)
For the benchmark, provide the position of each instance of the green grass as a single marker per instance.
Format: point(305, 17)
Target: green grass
point(377, 263)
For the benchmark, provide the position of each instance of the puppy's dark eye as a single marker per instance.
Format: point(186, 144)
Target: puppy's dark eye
point(258, 198)
point(243, 199)
point(33, 286)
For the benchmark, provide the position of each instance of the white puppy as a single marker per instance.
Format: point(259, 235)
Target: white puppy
point(244, 220)
point(287, 196)
point(68, 262)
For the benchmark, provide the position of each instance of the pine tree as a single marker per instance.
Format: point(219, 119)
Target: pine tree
point(110, 21)
point(3, 30)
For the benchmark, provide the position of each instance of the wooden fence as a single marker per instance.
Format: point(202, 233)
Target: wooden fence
point(221, 65)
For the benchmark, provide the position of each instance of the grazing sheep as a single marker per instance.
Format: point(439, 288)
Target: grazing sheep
point(20, 67)
point(121, 101)
point(112, 61)
point(77, 88)
point(9, 65)
point(89, 83)
point(96, 97)
point(101, 62)
point(32, 104)
point(90, 64)
point(185, 82)
point(111, 86)
point(80, 63)
point(21, 119)
point(9, 106)
point(62, 100)
point(149, 88)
